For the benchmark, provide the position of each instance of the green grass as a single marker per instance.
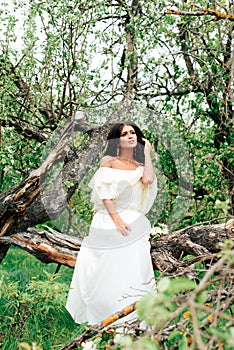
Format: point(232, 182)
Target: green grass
point(33, 298)
point(21, 266)
point(32, 303)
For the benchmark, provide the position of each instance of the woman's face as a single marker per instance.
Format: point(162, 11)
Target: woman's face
point(128, 137)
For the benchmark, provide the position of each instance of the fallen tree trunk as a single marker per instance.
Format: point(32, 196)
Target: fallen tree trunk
point(15, 201)
point(50, 246)
point(46, 246)
point(27, 204)
point(197, 240)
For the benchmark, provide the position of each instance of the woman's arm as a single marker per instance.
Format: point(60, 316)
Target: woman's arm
point(121, 226)
point(148, 174)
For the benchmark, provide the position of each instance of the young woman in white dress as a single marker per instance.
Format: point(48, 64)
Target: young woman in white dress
point(114, 267)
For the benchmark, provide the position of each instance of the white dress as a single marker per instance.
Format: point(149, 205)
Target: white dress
point(112, 270)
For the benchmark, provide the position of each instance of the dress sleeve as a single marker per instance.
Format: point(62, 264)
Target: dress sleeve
point(109, 183)
point(103, 185)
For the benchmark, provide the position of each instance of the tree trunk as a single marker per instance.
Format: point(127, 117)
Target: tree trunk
point(200, 241)
point(23, 206)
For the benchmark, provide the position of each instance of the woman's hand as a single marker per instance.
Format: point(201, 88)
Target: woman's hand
point(148, 147)
point(122, 227)
point(148, 174)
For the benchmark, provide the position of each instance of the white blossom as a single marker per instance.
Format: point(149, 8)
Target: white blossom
point(89, 345)
point(159, 230)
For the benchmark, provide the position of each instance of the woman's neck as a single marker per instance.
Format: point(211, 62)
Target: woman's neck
point(127, 154)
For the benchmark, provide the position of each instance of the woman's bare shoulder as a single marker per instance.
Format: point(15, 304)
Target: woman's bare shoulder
point(106, 161)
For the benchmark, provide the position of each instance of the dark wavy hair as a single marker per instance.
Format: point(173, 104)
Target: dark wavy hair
point(113, 141)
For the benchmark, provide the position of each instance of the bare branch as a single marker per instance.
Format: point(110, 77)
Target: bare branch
point(204, 11)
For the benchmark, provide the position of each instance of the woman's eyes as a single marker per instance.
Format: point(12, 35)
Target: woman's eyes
point(124, 133)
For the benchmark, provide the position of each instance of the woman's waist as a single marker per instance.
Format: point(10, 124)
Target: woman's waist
point(134, 207)
point(102, 218)
point(103, 232)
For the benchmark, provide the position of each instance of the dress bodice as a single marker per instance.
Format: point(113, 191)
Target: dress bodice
point(124, 187)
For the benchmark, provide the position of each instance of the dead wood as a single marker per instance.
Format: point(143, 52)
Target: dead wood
point(201, 241)
point(203, 12)
point(23, 206)
point(99, 327)
point(197, 240)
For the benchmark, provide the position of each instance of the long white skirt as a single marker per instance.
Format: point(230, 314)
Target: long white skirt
point(111, 273)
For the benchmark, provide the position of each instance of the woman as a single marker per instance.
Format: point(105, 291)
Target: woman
point(114, 267)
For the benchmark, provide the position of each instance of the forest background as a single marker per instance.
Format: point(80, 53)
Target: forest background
point(68, 70)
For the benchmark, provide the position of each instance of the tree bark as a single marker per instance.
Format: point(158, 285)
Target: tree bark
point(26, 204)
point(21, 206)
point(197, 240)
point(50, 246)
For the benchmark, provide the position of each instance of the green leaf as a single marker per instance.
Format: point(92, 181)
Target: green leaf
point(182, 345)
point(219, 334)
point(175, 335)
point(68, 184)
point(146, 305)
point(202, 297)
point(163, 284)
point(149, 344)
point(181, 284)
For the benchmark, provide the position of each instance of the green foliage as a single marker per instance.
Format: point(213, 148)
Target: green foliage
point(34, 313)
point(227, 336)
point(127, 343)
point(158, 306)
point(32, 300)
point(63, 56)
point(179, 310)
point(76, 56)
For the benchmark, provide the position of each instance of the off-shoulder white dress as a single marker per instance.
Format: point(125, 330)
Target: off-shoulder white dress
point(112, 270)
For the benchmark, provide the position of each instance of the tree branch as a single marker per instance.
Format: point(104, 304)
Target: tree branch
point(50, 246)
point(204, 11)
point(25, 129)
